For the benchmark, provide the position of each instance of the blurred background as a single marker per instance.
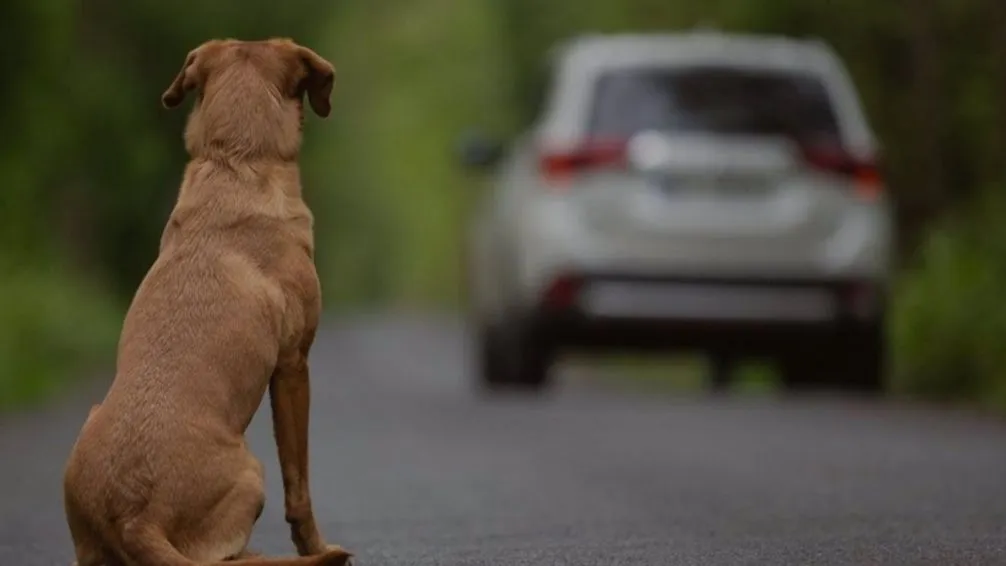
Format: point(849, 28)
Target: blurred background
point(90, 162)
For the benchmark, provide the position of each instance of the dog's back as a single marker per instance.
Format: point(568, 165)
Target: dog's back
point(160, 472)
point(198, 346)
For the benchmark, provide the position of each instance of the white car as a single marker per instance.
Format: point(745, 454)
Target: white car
point(695, 191)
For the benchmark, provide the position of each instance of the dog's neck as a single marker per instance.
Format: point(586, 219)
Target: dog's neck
point(205, 177)
point(252, 124)
point(214, 195)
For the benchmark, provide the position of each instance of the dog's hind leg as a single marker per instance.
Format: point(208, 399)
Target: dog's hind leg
point(333, 557)
point(87, 546)
point(145, 545)
point(88, 553)
point(226, 527)
point(89, 556)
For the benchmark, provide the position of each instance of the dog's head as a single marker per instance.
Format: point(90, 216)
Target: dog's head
point(250, 94)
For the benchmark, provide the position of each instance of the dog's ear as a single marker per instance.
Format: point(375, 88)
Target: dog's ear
point(190, 77)
point(318, 82)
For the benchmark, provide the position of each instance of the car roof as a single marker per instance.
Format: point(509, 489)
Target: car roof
point(577, 62)
point(619, 50)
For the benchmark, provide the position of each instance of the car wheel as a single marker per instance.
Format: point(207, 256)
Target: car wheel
point(492, 359)
point(513, 357)
point(865, 357)
point(721, 367)
point(798, 371)
point(854, 363)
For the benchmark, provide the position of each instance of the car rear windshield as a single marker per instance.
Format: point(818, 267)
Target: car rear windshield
point(713, 100)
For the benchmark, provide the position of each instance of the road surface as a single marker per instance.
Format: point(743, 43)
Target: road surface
point(410, 467)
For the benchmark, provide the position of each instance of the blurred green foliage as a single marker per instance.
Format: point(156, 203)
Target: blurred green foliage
point(50, 329)
point(90, 161)
point(411, 76)
point(950, 315)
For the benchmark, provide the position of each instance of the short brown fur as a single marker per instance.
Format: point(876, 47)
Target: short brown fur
point(160, 473)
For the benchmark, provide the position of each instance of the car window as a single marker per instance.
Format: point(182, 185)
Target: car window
point(713, 100)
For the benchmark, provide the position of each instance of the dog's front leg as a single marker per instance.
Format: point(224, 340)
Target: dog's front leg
point(290, 396)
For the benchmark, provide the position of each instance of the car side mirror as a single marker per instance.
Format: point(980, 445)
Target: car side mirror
point(478, 152)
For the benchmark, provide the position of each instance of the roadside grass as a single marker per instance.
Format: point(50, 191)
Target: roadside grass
point(949, 317)
point(53, 328)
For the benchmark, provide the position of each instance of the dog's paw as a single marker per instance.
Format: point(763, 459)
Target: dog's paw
point(335, 555)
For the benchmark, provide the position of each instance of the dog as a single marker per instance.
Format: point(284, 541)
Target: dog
point(160, 473)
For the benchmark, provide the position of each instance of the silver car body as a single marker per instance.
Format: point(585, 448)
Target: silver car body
point(745, 208)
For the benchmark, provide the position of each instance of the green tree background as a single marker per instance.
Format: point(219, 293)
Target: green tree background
point(90, 162)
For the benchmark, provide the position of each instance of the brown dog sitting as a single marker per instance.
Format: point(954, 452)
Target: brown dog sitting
point(160, 474)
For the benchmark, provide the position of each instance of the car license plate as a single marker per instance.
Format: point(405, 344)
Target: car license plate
point(708, 302)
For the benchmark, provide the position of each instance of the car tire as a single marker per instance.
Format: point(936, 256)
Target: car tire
point(854, 363)
point(865, 364)
point(513, 357)
point(491, 357)
point(721, 369)
point(798, 371)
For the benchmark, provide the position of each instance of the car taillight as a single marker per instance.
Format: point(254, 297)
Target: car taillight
point(558, 167)
point(562, 291)
point(865, 174)
point(861, 300)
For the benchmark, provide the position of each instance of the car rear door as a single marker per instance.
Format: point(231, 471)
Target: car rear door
point(714, 167)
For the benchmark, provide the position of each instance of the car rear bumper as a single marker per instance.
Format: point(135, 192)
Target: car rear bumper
point(730, 315)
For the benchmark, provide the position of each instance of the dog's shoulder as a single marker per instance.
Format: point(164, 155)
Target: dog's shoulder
point(250, 227)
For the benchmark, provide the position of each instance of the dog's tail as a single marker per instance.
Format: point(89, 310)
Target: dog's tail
point(336, 557)
point(148, 546)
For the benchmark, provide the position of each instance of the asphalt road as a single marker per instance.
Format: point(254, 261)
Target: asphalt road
point(411, 467)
